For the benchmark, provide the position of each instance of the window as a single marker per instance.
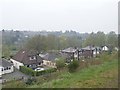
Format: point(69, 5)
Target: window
point(9, 68)
point(33, 58)
point(5, 68)
point(1, 69)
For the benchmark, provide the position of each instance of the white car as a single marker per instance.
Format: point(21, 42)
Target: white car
point(39, 69)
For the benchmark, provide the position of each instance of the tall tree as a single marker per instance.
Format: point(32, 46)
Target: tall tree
point(100, 39)
point(112, 39)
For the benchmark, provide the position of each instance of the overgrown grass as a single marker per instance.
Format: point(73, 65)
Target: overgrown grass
point(14, 84)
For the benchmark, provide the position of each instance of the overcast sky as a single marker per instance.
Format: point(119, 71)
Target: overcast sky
point(55, 15)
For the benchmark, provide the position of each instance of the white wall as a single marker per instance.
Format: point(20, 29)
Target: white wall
point(10, 70)
point(94, 52)
point(75, 55)
point(17, 64)
point(6, 71)
point(0, 71)
point(105, 48)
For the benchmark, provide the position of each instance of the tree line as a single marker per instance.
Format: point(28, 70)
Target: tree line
point(53, 42)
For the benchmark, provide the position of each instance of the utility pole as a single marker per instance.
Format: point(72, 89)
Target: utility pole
point(78, 53)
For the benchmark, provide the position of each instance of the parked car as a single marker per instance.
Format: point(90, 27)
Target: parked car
point(39, 69)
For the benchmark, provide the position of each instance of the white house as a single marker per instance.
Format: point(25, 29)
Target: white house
point(17, 64)
point(96, 51)
point(105, 48)
point(5, 67)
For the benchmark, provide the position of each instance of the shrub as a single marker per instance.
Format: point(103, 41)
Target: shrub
point(73, 66)
point(31, 81)
point(60, 63)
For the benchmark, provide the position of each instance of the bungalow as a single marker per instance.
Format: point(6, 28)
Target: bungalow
point(5, 67)
point(50, 58)
point(28, 58)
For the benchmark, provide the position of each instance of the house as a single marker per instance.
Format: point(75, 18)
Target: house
point(97, 51)
point(105, 48)
point(50, 58)
point(89, 51)
point(28, 58)
point(72, 52)
point(5, 67)
point(86, 52)
point(66, 57)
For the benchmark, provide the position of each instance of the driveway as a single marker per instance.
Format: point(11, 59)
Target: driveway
point(14, 75)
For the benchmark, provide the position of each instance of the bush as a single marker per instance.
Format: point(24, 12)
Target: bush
point(60, 63)
point(31, 81)
point(27, 71)
point(73, 66)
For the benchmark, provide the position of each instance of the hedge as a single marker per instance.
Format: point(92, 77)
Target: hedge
point(27, 71)
point(31, 72)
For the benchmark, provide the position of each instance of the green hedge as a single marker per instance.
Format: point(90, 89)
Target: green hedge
point(27, 71)
point(31, 72)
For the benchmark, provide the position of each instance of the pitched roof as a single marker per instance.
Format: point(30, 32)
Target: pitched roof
point(24, 55)
point(5, 63)
point(65, 55)
point(51, 56)
point(69, 50)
